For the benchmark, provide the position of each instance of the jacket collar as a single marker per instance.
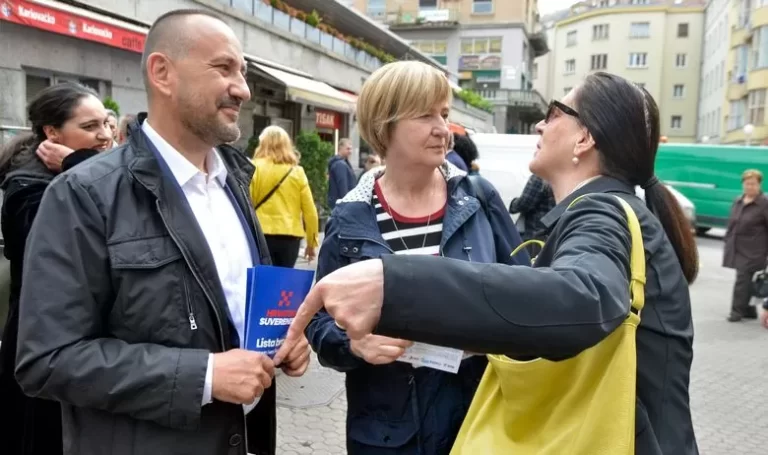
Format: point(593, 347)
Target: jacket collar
point(357, 217)
point(601, 184)
point(146, 169)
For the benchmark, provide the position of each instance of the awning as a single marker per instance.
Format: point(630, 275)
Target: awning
point(309, 91)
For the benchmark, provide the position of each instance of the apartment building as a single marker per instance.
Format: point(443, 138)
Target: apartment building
point(489, 45)
point(714, 77)
point(654, 43)
point(747, 73)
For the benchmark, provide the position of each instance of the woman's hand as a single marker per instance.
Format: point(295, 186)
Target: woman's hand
point(764, 318)
point(310, 253)
point(352, 295)
point(52, 154)
point(379, 350)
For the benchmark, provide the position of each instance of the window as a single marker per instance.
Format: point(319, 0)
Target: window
point(431, 47)
point(600, 31)
point(760, 48)
point(570, 66)
point(427, 4)
point(678, 91)
point(677, 122)
point(603, 3)
point(567, 90)
point(377, 9)
point(740, 63)
point(570, 39)
point(482, 6)
point(599, 61)
point(535, 71)
point(638, 2)
point(640, 30)
point(682, 30)
point(736, 114)
point(681, 60)
point(474, 46)
point(638, 60)
point(756, 102)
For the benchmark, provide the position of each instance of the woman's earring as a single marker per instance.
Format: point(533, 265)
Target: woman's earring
point(575, 160)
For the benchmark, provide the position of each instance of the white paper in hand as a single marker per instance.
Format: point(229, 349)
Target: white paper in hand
point(437, 357)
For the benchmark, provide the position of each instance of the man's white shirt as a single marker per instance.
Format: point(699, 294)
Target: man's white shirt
point(220, 223)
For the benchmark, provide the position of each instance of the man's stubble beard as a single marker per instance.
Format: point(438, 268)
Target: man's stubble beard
point(209, 129)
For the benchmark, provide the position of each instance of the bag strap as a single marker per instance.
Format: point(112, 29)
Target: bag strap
point(637, 276)
point(272, 191)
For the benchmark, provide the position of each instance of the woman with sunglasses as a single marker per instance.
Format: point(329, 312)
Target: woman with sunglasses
point(598, 142)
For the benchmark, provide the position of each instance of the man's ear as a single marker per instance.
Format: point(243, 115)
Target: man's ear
point(160, 72)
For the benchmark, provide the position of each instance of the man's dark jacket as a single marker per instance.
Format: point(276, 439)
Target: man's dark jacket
point(120, 267)
point(341, 179)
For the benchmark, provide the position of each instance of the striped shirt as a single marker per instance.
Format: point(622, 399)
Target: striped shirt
point(406, 235)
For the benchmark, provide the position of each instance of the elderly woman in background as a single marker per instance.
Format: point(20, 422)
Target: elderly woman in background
point(746, 243)
point(282, 198)
point(112, 122)
point(419, 204)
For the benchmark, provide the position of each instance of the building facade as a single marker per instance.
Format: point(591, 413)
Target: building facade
point(654, 43)
point(747, 73)
point(714, 72)
point(301, 77)
point(488, 44)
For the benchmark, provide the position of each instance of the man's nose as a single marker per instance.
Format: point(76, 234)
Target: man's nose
point(240, 89)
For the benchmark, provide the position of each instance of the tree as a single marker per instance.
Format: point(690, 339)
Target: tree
point(315, 154)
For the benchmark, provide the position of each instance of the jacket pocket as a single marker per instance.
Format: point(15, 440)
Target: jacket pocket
point(152, 291)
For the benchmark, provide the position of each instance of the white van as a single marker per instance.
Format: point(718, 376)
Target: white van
point(504, 160)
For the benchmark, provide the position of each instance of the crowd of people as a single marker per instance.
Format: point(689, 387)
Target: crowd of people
point(128, 269)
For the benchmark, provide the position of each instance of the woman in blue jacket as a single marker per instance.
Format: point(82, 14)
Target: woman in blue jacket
point(418, 205)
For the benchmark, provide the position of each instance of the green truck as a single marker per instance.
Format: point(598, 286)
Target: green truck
point(709, 175)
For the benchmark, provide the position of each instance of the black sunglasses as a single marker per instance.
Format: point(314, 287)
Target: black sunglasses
point(561, 107)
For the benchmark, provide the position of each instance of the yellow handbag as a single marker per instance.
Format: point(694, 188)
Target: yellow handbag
point(584, 405)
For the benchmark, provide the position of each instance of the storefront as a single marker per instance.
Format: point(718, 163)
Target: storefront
point(46, 43)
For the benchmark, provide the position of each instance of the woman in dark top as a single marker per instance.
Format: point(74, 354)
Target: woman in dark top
point(71, 116)
point(746, 243)
point(599, 141)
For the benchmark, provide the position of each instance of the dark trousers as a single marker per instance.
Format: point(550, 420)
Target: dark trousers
point(742, 294)
point(283, 249)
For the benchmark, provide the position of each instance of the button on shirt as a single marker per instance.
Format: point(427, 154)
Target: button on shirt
point(221, 226)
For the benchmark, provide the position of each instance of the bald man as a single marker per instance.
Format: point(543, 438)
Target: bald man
point(139, 258)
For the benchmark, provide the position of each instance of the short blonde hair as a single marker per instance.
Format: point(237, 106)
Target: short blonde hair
point(752, 173)
point(276, 146)
point(396, 91)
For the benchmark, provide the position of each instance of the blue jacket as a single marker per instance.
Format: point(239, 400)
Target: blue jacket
point(341, 179)
point(395, 408)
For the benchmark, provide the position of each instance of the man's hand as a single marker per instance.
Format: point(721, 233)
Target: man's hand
point(310, 253)
point(764, 318)
point(296, 361)
point(352, 295)
point(241, 376)
point(378, 350)
point(52, 154)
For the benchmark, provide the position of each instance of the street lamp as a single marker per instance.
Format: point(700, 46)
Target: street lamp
point(748, 130)
point(704, 139)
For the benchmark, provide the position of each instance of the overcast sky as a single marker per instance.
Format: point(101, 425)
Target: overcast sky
point(550, 6)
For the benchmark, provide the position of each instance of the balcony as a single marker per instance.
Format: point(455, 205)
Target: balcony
point(529, 100)
point(538, 43)
point(422, 19)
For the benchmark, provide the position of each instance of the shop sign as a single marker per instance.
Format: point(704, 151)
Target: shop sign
point(64, 23)
point(327, 119)
point(480, 62)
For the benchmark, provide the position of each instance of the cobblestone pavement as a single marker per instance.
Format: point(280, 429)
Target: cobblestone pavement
point(728, 384)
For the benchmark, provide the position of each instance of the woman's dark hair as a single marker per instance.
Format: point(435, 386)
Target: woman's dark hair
point(465, 148)
point(53, 106)
point(623, 120)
